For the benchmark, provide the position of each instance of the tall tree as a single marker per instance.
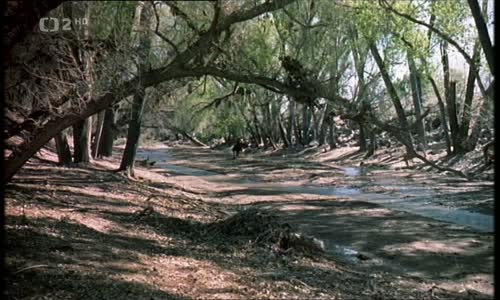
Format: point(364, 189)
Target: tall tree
point(416, 91)
point(82, 130)
point(134, 125)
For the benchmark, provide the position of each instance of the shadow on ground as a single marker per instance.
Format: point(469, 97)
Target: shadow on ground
point(85, 244)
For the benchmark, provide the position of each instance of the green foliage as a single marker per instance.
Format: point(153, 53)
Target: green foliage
point(229, 123)
point(112, 19)
point(319, 34)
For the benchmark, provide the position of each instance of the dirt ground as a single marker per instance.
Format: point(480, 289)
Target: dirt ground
point(87, 232)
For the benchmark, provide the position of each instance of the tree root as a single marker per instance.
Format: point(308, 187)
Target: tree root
point(442, 169)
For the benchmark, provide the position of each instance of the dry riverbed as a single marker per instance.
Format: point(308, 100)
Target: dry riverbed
point(88, 232)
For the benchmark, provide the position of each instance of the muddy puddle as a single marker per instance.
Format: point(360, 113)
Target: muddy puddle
point(403, 195)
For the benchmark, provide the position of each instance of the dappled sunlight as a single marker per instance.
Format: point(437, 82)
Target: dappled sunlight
point(177, 273)
point(479, 282)
point(299, 207)
point(150, 229)
point(373, 212)
point(250, 149)
point(451, 246)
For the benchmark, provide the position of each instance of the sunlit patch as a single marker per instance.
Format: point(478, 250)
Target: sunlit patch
point(300, 207)
point(367, 212)
point(450, 246)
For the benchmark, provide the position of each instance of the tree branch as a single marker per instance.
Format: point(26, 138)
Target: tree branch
point(175, 70)
point(164, 38)
point(470, 61)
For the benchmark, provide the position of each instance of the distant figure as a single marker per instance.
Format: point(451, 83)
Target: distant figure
point(237, 148)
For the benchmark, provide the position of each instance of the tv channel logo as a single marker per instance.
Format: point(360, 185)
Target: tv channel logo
point(64, 24)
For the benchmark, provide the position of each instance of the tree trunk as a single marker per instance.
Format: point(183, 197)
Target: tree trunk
point(405, 134)
point(452, 113)
point(482, 30)
point(372, 146)
point(267, 124)
point(450, 98)
point(315, 123)
point(416, 91)
point(362, 137)
point(323, 128)
point(62, 146)
point(291, 119)
point(283, 133)
point(82, 130)
point(305, 124)
point(275, 119)
point(109, 132)
point(134, 126)
point(98, 133)
point(467, 108)
point(81, 140)
point(322, 133)
point(193, 139)
point(442, 114)
point(476, 128)
point(258, 130)
point(133, 133)
point(331, 133)
point(297, 130)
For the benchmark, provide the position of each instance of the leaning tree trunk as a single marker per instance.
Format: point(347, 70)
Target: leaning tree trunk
point(62, 146)
point(98, 133)
point(482, 30)
point(133, 133)
point(405, 135)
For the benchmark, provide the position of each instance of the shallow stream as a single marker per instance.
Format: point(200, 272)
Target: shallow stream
point(404, 196)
